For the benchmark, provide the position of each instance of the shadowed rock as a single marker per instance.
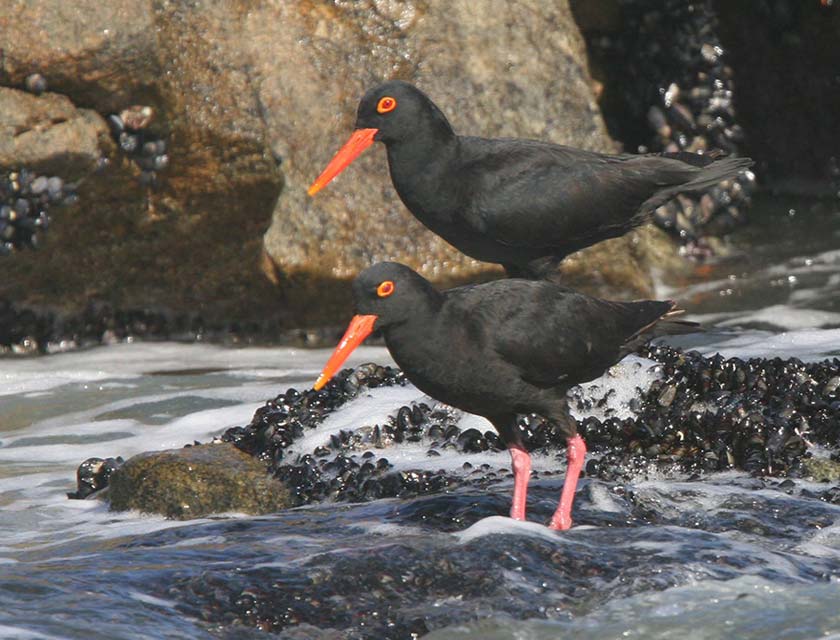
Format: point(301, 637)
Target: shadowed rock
point(237, 91)
point(49, 134)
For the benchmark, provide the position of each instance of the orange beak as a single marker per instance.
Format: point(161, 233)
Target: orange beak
point(358, 142)
point(360, 328)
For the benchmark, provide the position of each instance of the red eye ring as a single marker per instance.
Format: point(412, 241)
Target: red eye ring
point(386, 104)
point(385, 289)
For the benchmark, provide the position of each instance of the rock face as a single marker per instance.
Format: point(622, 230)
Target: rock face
point(482, 68)
point(196, 481)
point(235, 90)
point(190, 244)
point(789, 52)
point(669, 86)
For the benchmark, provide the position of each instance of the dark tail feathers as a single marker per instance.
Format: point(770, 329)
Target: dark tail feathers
point(707, 174)
point(664, 325)
point(715, 172)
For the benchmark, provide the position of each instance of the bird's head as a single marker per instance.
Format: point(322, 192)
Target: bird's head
point(386, 294)
point(390, 113)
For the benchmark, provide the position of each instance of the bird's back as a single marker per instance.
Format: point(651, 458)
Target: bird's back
point(552, 335)
point(511, 200)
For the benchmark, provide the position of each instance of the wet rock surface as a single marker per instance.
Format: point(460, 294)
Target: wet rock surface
point(192, 482)
point(175, 229)
point(414, 575)
point(28, 331)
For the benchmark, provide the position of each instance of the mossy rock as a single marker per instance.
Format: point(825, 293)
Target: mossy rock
point(197, 481)
point(821, 469)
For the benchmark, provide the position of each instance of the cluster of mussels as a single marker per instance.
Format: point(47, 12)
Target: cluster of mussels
point(94, 474)
point(673, 76)
point(323, 474)
point(709, 414)
point(25, 201)
point(703, 414)
point(130, 129)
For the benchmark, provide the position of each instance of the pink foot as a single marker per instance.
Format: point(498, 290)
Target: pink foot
point(562, 518)
point(521, 474)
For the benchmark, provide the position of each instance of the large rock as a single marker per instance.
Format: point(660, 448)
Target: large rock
point(196, 481)
point(191, 245)
point(236, 88)
point(512, 69)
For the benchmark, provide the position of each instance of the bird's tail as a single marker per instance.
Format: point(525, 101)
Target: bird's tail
point(705, 174)
point(665, 325)
point(715, 172)
point(669, 325)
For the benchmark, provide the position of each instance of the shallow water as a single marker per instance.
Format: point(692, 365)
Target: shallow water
point(652, 558)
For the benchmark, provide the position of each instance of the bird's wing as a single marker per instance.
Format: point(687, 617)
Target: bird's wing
point(522, 190)
point(554, 335)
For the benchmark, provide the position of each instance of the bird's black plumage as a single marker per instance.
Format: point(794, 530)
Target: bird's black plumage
point(522, 203)
point(501, 349)
point(504, 347)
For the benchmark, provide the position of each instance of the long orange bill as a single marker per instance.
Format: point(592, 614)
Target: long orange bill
point(359, 329)
point(358, 142)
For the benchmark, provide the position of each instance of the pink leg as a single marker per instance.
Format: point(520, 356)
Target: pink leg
point(521, 475)
point(576, 451)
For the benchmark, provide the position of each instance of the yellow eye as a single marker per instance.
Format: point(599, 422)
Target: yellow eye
point(385, 289)
point(386, 104)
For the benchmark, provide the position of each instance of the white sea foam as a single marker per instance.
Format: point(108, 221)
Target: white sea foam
point(620, 385)
point(806, 344)
point(18, 633)
point(495, 525)
point(150, 412)
point(125, 361)
point(151, 600)
point(373, 407)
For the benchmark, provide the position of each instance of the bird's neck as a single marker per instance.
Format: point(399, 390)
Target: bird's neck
point(417, 324)
point(428, 149)
point(421, 167)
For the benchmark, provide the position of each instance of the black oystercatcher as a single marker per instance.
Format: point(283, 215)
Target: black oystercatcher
point(524, 204)
point(500, 349)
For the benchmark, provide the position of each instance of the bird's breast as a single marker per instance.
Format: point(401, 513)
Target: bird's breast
point(449, 369)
